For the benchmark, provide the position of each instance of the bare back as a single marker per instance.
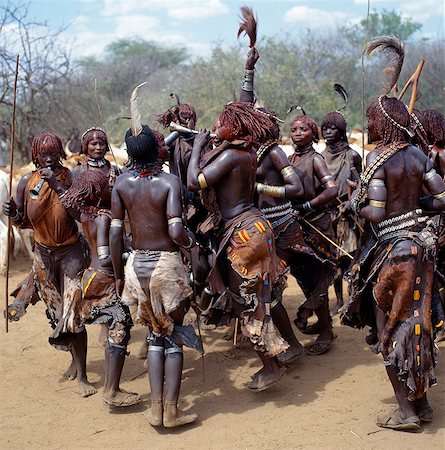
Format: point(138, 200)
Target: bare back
point(234, 190)
point(148, 202)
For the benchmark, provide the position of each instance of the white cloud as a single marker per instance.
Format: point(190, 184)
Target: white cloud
point(421, 11)
point(313, 17)
point(135, 25)
point(176, 9)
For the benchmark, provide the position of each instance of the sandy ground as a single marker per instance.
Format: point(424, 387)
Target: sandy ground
point(324, 402)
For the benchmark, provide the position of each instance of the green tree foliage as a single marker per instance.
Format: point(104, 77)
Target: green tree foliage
point(291, 70)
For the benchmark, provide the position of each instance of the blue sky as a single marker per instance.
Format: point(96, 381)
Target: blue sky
point(199, 24)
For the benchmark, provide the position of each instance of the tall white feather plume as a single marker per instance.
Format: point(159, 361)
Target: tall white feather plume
point(136, 123)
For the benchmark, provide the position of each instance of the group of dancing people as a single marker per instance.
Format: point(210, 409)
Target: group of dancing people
point(221, 231)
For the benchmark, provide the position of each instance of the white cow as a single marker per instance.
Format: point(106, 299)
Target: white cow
point(22, 240)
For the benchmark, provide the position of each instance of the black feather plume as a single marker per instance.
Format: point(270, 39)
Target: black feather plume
point(292, 108)
point(343, 94)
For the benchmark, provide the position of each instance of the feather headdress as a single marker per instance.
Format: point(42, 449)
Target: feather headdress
point(292, 108)
point(248, 25)
point(176, 97)
point(136, 123)
point(343, 94)
point(392, 47)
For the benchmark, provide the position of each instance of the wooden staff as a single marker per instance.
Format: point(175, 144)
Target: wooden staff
point(103, 123)
point(11, 163)
point(414, 80)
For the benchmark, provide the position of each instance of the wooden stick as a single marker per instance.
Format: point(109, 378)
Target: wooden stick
point(11, 163)
point(328, 239)
point(235, 334)
point(414, 80)
point(103, 123)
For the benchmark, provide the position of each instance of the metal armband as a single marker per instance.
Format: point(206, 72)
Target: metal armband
point(202, 181)
point(326, 178)
point(376, 182)
point(439, 196)
point(286, 171)
point(17, 217)
point(117, 223)
point(190, 244)
point(248, 81)
point(377, 204)
point(430, 174)
point(174, 220)
point(271, 191)
point(103, 251)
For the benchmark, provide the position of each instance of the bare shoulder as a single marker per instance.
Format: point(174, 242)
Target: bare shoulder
point(170, 180)
point(122, 180)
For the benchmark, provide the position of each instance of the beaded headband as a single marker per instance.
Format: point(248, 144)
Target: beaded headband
point(92, 129)
point(409, 132)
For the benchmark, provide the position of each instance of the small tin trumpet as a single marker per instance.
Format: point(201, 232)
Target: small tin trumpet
point(180, 129)
point(34, 193)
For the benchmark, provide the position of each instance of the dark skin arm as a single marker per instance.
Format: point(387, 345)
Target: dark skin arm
point(252, 58)
point(11, 207)
point(379, 193)
point(117, 237)
point(292, 183)
point(434, 185)
point(103, 237)
point(176, 231)
point(357, 166)
point(330, 191)
point(214, 172)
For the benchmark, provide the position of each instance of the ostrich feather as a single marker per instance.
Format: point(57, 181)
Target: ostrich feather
point(176, 97)
point(136, 124)
point(248, 25)
point(292, 108)
point(343, 94)
point(392, 47)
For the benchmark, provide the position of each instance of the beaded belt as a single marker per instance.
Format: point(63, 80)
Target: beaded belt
point(401, 222)
point(277, 211)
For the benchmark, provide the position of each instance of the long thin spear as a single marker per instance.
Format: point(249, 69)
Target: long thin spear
point(11, 163)
point(103, 123)
point(363, 88)
point(327, 238)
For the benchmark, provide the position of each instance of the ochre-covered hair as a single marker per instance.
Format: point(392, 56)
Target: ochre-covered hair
point(177, 113)
point(387, 129)
point(273, 130)
point(434, 123)
point(336, 119)
point(87, 137)
point(89, 183)
point(242, 121)
point(310, 123)
point(46, 142)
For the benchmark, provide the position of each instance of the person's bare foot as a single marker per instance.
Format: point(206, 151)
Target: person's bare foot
point(335, 308)
point(71, 372)
point(86, 389)
point(265, 379)
point(174, 417)
point(121, 398)
point(155, 413)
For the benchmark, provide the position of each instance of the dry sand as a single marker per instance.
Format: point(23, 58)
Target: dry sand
point(324, 402)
